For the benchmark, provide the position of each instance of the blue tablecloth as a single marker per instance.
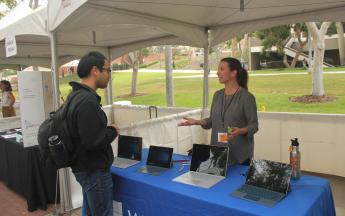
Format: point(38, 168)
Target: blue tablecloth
point(159, 195)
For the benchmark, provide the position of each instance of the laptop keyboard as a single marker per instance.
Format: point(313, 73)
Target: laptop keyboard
point(154, 169)
point(123, 162)
point(255, 193)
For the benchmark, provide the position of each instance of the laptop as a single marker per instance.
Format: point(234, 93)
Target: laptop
point(267, 182)
point(128, 152)
point(208, 166)
point(158, 161)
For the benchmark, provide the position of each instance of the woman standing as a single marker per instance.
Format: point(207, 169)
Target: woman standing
point(8, 99)
point(233, 117)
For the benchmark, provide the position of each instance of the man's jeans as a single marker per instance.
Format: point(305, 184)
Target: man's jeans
point(97, 192)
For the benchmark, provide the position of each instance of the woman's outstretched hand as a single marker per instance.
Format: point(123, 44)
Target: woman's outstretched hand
point(187, 122)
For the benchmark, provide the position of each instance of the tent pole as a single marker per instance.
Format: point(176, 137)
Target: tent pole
point(110, 89)
point(65, 189)
point(206, 73)
point(54, 68)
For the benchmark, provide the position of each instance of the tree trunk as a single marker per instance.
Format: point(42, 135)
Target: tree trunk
point(233, 47)
point(134, 78)
point(341, 42)
point(285, 61)
point(318, 43)
point(169, 76)
point(301, 45)
point(294, 61)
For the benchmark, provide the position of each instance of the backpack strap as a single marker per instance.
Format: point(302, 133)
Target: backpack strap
point(70, 98)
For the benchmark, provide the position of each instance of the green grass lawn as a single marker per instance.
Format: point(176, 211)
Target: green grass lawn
point(273, 92)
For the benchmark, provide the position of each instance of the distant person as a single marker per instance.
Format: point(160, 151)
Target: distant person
point(8, 99)
point(235, 107)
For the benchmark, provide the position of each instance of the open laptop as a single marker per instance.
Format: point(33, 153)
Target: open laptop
point(158, 160)
point(267, 182)
point(128, 152)
point(208, 167)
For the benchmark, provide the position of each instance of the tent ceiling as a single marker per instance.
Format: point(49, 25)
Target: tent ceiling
point(109, 35)
point(126, 25)
point(218, 12)
point(190, 19)
point(33, 44)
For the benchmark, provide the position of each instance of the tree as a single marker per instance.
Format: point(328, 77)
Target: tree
point(234, 45)
point(341, 42)
point(134, 59)
point(169, 76)
point(8, 3)
point(245, 48)
point(276, 36)
point(318, 43)
point(300, 30)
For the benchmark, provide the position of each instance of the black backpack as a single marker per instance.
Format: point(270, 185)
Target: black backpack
point(59, 152)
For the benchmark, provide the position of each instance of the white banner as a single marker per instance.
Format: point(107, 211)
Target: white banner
point(31, 105)
point(11, 46)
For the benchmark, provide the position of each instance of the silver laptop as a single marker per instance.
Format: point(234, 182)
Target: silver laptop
point(267, 182)
point(128, 151)
point(208, 167)
point(158, 160)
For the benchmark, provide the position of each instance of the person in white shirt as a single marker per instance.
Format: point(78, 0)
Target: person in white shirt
point(8, 99)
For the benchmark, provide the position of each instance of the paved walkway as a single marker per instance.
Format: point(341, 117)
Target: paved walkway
point(213, 74)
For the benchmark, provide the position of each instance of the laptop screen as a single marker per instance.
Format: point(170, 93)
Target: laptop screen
point(271, 175)
point(209, 159)
point(130, 147)
point(160, 156)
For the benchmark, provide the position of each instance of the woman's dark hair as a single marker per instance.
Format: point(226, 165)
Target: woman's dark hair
point(242, 74)
point(7, 85)
point(88, 61)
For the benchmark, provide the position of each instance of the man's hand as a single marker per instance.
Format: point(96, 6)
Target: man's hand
point(116, 128)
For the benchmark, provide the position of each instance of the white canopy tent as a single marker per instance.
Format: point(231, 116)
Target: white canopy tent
point(191, 19)
point(198, 23)
point(33, 45)
point(118, 27)
point(33, 40)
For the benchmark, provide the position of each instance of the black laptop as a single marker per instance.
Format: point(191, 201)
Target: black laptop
point(267, 182)
point(128, 151)
point(158, 161)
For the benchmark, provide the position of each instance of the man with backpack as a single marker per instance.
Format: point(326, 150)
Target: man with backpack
point(91, 135)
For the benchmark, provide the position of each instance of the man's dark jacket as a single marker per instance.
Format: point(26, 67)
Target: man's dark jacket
point(91, 135)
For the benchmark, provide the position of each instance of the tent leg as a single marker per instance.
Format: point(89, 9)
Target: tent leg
point(110, 91)
point(65, 189)
point(54, 68)
point(206, 73)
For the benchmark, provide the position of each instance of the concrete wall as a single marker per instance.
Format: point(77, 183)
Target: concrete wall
point(321, 137)
point(125, 115)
